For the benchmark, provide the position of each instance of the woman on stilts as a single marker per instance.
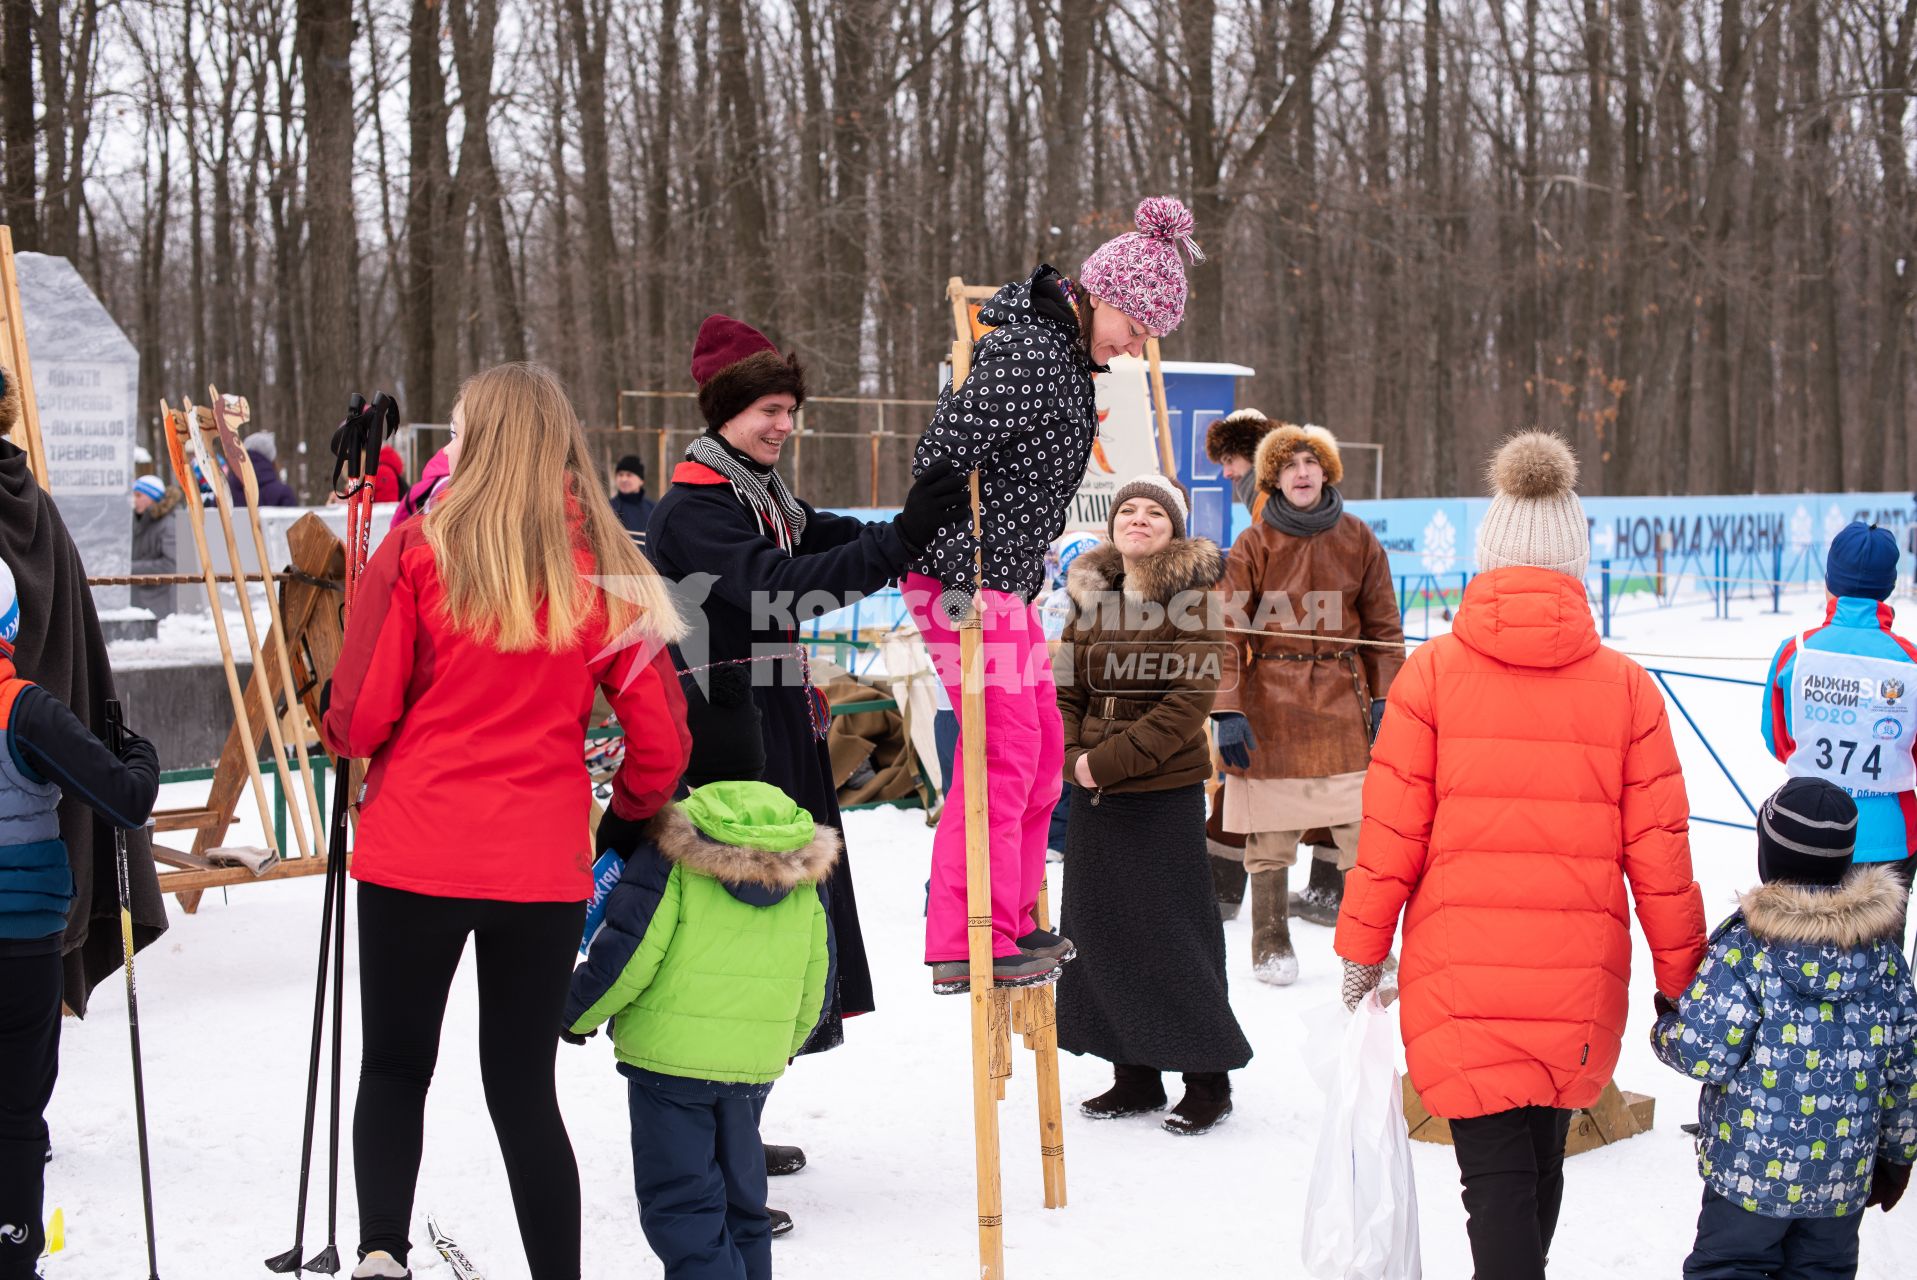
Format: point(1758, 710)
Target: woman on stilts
point(1025, 420)
point(1143, 657)
point(467, 678)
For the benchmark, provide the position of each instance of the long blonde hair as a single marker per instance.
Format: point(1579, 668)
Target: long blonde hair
point(523, 499)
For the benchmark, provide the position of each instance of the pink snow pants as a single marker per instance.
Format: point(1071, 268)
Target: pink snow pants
point(1024, 763)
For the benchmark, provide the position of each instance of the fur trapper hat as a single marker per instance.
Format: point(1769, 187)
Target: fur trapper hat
point(9, 402)
point(734, 365)
point(1286, 439)
point(1236, 435)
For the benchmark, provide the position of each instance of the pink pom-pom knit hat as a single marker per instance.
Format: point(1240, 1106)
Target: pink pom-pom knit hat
point(1140, 272)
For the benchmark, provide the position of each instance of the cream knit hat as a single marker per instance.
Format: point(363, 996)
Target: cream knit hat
point(1535, 516)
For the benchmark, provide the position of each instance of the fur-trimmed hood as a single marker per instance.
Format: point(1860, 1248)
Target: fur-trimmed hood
point(1286, 439)
point(759, 876)
point(1187, 564)
point(1861, 910)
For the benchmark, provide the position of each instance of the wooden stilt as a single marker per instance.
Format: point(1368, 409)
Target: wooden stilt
point(226, 428)
point(174, 427)
point(990, 1065)
point(996, 1013)
point(296, 814)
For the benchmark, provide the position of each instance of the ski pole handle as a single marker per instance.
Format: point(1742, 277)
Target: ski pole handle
point(116, 726)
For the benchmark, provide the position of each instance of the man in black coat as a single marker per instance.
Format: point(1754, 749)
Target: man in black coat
point(629, 500)
point(754, 564)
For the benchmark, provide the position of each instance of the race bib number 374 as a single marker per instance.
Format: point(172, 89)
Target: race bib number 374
point(1854, 720)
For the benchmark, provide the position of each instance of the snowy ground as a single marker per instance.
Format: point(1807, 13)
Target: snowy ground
point(886, 1121)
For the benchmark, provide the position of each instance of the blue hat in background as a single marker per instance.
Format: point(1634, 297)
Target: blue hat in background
point(1862, 562)
point(152, 486)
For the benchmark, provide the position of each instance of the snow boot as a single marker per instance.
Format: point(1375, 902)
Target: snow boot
point(1135, 1091)
point(781, 1222)
point(381, 1265)
point(1052, 946)
point(1272, 959)
point(1227, 885)
point(1207, 1101)
point(780, 1161)
point(1323, 894)
point(954, 977)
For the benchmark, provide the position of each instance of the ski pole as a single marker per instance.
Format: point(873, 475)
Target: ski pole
point(116, 739)
point(356, 450)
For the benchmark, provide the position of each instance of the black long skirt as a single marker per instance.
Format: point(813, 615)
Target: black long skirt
point(1148, 986)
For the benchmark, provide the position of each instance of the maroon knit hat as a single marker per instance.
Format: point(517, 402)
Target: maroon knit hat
point(735, 365)
point(723, 341)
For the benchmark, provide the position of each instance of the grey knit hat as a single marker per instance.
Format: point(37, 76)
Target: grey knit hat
point(1535, 517)
point(262, 443)
point(1166, 493)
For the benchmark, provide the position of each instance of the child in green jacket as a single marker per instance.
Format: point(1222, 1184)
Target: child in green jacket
point(711, 963)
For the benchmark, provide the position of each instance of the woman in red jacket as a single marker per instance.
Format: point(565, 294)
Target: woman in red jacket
point(468, 673)
point(1523, 776)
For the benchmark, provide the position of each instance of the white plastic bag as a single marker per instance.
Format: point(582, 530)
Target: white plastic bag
point(1361, 1216)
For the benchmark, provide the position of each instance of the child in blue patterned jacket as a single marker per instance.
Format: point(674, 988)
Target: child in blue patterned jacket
point(1802, 1027)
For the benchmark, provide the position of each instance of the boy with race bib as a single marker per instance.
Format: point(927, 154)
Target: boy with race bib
point(1842, 700)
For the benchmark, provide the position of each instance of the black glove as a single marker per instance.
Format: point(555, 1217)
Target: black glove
point(571, 1037)
point(325, 698)
point(1887, 1184)
point(1663, 1002)
point(1236, 741)
point(935, 500)
point(1377, 718)
point(621, 835)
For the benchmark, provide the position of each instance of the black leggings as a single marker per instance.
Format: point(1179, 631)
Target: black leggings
point(409, 947)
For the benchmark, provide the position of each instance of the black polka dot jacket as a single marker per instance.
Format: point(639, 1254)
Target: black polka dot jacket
point(1025, 419)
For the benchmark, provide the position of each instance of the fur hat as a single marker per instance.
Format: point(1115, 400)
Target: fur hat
point(1166, 493)
point(1285, 439)
point(9, 402)
point(1140, 272)
point(1236, 435)
point(1535, 517)
point(734, 365)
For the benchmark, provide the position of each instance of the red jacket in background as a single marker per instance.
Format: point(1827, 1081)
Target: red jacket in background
point(478, 785)
point(1524, 776)
point(389, 482)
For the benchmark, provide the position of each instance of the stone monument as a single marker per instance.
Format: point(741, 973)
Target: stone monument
point(87, 379)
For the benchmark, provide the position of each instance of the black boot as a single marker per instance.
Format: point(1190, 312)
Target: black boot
point(1207, 1101)
point(1135, 1091)
point(1228, 885)
point(1324, 894)
point(780, 1161)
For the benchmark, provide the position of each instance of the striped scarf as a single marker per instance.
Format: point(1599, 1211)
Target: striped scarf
point(763, 492)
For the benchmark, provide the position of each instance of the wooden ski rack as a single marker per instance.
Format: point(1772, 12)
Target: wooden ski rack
point(311, 610)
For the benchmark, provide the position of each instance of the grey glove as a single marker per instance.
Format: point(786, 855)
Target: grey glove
point(1359, 980)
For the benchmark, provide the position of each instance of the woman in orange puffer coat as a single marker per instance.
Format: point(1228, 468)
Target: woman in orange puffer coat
point(1523, 776)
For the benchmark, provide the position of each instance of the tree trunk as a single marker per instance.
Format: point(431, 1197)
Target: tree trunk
point(425, 185)
point(586, 22)
point(16, 123)
point(325, 34)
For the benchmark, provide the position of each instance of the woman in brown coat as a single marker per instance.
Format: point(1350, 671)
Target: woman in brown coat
point(1144, 659)
point(1299, 706)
